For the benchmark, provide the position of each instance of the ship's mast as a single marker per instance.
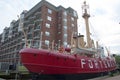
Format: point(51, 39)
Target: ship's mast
point(86, 16)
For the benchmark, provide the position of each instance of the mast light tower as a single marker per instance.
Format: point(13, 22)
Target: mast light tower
point(85, 9)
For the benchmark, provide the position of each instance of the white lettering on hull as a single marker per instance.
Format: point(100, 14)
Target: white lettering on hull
point(97, 64)
point(82, 63)
point(90, 64)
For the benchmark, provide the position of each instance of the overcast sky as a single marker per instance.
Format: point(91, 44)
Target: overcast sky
point(104, 20)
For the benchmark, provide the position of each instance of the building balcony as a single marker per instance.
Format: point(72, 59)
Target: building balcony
point(37, 13)
point(38, 20)
point(37, 29)
point(37, 37)
point(31, 24)
point(26, 21)
point(30, 32)
point(32, 17)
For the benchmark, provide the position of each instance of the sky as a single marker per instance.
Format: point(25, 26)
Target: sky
point(104, 21)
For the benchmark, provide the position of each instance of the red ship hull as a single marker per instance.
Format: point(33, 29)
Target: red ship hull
point(53, 63)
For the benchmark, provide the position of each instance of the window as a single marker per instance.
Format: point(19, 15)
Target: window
point(36, 34)
point(75, 33)
point(47, 42)
point(73, 25)
point(47, 33)
point(65, 35)
point(65, 20)
point(65, 27)
point(37, 27)
point(65, 43)
point(29, 36)
point(49, 18)
point(72, 18)
point(47, 25)
point(65, 13)
point(75, 13)
point(59, 32)
point(49, 11)
point(36, 43)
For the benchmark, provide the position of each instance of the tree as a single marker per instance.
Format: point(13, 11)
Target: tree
point(117, 58)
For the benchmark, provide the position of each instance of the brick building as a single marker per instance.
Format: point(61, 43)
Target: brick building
point(42, 25)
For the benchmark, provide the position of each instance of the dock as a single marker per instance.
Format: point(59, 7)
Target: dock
point(15, 74)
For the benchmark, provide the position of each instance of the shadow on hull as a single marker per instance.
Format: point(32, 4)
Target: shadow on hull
point(35, 76)
point(67, 77)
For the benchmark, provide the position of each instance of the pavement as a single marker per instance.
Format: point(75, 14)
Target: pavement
point(2, 79)
point(116, 77)
point(113, 78)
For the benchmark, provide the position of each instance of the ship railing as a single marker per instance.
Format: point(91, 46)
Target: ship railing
point(84, 52)
point(41, 45)
point(51, 46)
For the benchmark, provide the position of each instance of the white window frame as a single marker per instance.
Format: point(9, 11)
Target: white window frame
point(49, 11)
point(65, 35)
point(65, 13)
point(47, 42)
point(49, 18)
point(59, 32)
point(75, 13)
point(72, 25)
point(65, 27)
point(47, 33)
point(47, 25)
point(65, 43)
point(72, 19)
point(65, 20)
